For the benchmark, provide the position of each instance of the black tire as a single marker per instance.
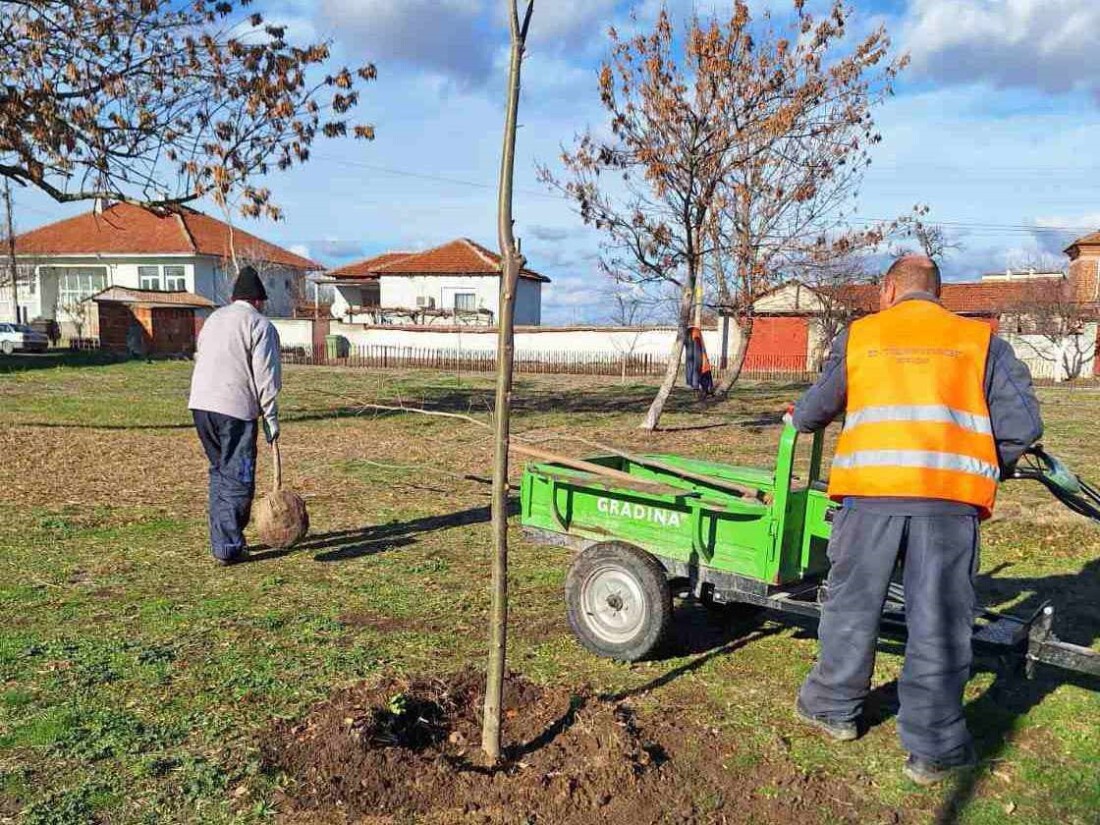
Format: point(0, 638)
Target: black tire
point(618, 601)
point(7, 347)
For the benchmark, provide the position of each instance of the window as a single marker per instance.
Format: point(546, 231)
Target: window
point(149, 277)
point(465, 302)
point(74, 284)
point(175, 279)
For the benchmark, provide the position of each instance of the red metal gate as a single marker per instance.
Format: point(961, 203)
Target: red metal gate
point(778, 345)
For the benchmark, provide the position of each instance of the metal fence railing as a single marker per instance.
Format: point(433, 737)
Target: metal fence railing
point(547, 362)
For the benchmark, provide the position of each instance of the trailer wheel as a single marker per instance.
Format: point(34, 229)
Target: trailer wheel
point(618, 601)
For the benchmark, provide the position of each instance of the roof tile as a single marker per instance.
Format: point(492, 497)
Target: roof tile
point(369, 267)
point(124, 229)
point(459, 257)
point(976, 298)
point(149, 297)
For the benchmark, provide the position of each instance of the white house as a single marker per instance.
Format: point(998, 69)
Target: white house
point(454, 284)
point(64, 263)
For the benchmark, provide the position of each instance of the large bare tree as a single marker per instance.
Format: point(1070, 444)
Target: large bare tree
point(160, 102)
point(788, 205)
point(732, 150)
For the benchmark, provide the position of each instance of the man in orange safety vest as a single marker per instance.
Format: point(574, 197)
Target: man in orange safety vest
point(936, 410)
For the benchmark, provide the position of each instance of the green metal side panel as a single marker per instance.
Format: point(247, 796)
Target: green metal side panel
point(735, 537)
point(778, 540)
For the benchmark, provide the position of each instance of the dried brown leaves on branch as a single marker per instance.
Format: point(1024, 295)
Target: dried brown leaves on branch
point(162, 103)
point(734, 149)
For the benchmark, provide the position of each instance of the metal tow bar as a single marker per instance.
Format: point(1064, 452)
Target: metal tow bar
point(1043, 646)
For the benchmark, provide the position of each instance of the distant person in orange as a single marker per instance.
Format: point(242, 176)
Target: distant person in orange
point(936, 411)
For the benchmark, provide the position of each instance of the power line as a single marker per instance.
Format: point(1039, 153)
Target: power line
point(476, 184)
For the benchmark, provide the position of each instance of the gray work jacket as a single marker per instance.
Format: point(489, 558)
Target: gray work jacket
point(1013, 411)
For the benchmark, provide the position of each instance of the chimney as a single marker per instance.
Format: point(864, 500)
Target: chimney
point(97, 207)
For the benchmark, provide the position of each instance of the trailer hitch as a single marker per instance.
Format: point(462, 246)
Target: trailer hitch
point(1043, 646)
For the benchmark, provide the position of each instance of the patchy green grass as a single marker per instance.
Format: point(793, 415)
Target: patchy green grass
point(136, 677)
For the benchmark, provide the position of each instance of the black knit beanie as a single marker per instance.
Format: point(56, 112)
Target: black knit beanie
point(248, 286)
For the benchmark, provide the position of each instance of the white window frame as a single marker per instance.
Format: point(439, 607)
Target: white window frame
point(88, 281)
point(149, 281)
point(472, 296)
point(175, 278)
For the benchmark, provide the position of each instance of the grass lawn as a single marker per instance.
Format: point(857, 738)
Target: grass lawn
point(137, 678)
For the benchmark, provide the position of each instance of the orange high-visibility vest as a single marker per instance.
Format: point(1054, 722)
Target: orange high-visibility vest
point(917, 423)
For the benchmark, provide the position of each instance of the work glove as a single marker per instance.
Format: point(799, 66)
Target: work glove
point(271, 431)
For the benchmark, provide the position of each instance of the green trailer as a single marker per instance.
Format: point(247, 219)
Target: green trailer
point(648, 528)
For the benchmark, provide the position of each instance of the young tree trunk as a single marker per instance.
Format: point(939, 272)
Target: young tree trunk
point(653, 416)
point(744, 325)
point(512, 265)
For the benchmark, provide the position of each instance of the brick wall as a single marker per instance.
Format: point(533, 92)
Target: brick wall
point(1084, 274)
point(115, 321)
point(145, 331)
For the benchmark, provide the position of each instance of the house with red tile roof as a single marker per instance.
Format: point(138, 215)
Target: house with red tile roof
point(65, 263)
point(457, 283)
point(793, 324)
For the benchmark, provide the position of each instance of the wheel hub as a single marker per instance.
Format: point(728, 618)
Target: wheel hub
point(614, 605)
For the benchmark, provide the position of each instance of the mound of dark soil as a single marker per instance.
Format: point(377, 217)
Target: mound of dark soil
point(410, 751)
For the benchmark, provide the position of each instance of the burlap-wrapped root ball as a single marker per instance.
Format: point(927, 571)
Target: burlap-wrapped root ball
point(281, 519)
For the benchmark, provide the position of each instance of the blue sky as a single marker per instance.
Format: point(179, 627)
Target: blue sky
point(996, 126)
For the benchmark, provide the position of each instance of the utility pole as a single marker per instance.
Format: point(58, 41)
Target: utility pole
point(11, 251)
point(512, 263)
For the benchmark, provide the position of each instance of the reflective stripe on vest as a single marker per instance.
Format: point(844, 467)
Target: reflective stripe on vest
point(918, 458)
point(926, 412)
point(917, 421)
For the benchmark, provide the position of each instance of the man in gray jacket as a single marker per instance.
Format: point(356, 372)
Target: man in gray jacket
point(236, 382)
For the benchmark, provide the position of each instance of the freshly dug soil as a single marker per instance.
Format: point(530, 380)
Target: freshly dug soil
point(410, 752)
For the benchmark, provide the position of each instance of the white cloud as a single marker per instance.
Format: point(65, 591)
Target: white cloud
point(1051, 45)
point(445, 36)
point(569, 22)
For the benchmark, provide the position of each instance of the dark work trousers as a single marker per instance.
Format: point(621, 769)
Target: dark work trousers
point(940, 557)
point(230, 445)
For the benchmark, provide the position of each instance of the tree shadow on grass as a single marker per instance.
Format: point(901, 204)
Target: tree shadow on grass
point(346, 545)
point(54, 358)
point(705, 634)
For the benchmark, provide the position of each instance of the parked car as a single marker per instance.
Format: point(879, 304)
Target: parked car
point(21, 338)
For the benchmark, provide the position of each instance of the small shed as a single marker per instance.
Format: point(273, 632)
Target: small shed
point(144, 322)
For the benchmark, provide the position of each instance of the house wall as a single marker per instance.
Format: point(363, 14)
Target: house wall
point(403, 292)
point(202, 275)
point(294, 333)
point(611, 340)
